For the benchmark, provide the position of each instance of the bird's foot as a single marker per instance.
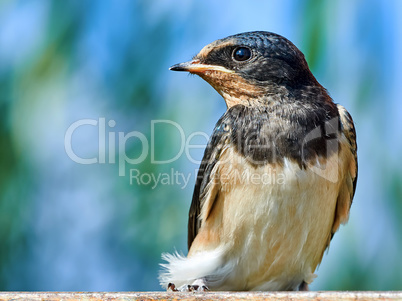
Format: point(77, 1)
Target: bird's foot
point(197, 286)
point(172, 288)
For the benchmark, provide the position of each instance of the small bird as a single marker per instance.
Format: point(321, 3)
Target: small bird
point(278, 175)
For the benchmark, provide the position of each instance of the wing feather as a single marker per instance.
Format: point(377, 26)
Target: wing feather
point(206, 188)
point(348, 186)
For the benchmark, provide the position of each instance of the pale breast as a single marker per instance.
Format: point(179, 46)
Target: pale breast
point(275, 220)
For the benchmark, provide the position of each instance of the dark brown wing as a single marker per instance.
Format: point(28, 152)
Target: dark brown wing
point(204, 178)
point(348, 187)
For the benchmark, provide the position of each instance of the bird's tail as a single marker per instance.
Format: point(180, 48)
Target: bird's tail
point(182, 270)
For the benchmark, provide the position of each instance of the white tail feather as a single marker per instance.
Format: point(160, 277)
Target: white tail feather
point(182, 270)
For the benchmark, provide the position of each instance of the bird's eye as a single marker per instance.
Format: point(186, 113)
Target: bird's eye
point(241, 54)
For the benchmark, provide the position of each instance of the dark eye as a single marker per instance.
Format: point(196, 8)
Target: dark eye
point(241, 54)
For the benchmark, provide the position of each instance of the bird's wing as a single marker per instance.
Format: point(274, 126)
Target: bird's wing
point(348, 185)
point(206, 187)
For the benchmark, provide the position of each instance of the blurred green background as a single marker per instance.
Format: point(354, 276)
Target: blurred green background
point(70, 226)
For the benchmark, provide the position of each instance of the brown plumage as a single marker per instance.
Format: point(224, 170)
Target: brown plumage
point(278, 175)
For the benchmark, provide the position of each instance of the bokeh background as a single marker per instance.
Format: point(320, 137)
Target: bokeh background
point(70, 226)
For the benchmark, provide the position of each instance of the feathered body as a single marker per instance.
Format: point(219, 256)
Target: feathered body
point(278, 175)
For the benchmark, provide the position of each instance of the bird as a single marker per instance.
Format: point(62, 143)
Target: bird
point(278, 175)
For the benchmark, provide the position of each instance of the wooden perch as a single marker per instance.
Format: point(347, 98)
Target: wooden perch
point(269, 296)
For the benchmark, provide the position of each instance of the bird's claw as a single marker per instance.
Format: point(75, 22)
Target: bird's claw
point(172, 288)
point(197, 288)
point(187, 288)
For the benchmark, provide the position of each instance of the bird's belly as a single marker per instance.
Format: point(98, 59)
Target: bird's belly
point(276, 223)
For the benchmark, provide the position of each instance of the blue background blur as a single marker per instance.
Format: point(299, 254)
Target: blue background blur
point(71, 226)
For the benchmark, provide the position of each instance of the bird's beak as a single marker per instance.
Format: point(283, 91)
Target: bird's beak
point(195, 66)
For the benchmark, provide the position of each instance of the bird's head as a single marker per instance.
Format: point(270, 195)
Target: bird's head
point(249, 67)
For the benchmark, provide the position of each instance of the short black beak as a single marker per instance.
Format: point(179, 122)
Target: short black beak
point(183, 66)
point(196, 67)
